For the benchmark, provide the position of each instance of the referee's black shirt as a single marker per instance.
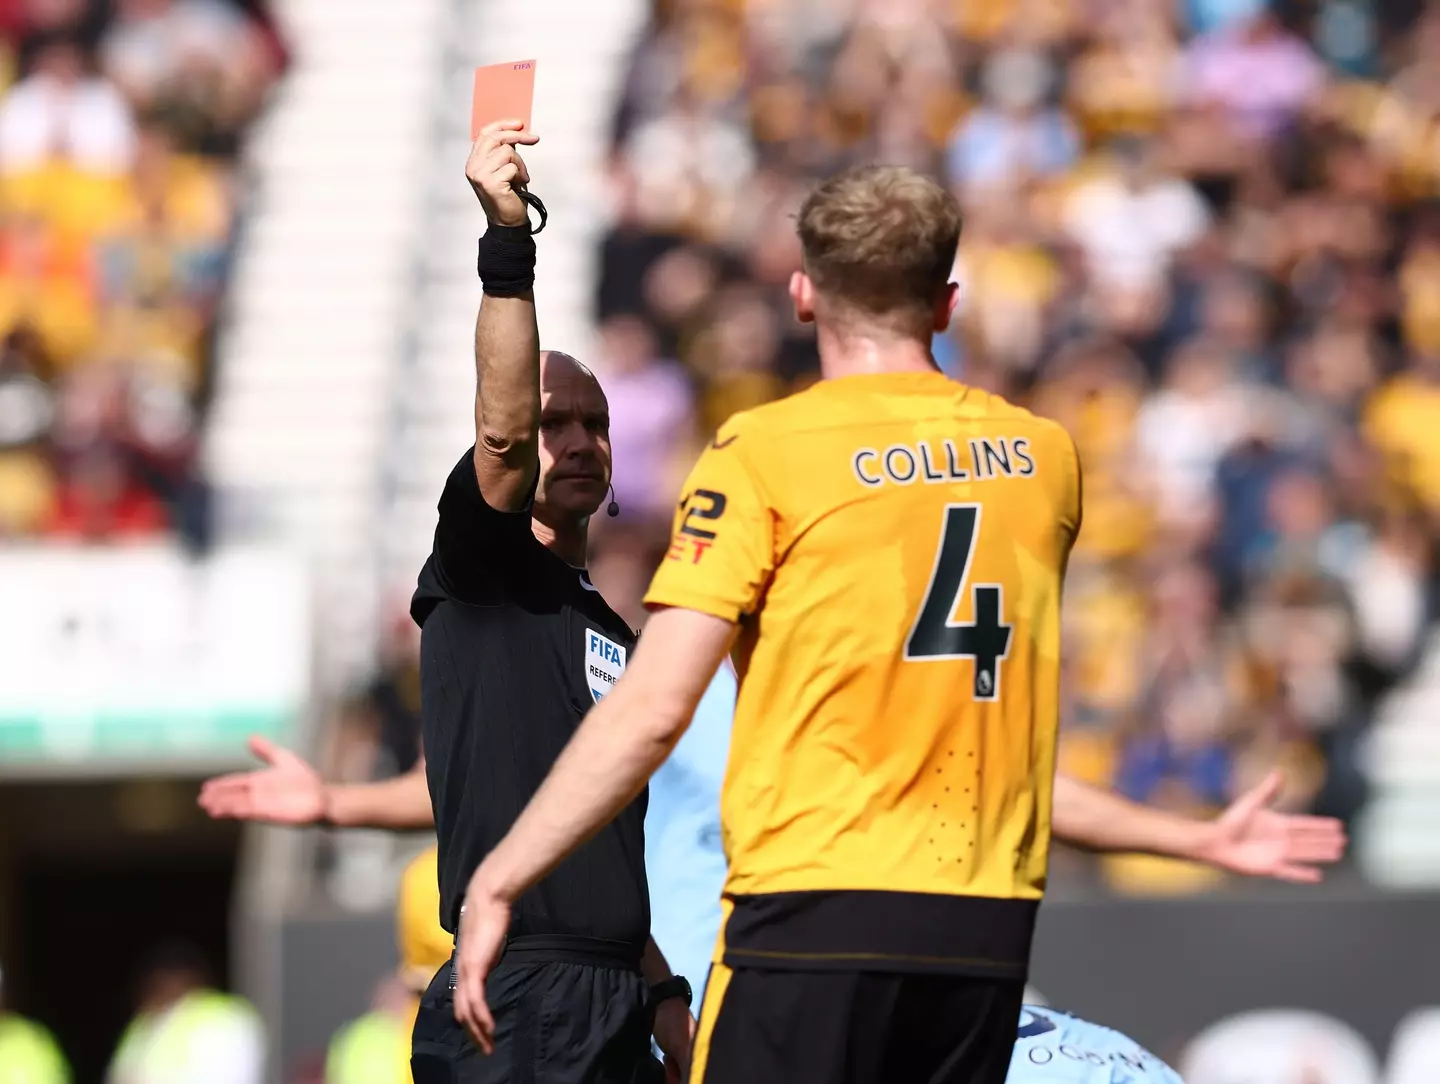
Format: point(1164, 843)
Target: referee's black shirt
point(516, 647)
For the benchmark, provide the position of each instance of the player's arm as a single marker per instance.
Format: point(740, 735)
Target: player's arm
point(289, 791)
point(398, 804)
point(507, 341)
point(620, 744)
point(674, 1026)
point(1248, 838)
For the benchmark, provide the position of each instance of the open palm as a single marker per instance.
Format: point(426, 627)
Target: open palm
point(1255, 840)
point(286, 791)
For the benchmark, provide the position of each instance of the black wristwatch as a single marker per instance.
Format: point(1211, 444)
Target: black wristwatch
point(674, 986)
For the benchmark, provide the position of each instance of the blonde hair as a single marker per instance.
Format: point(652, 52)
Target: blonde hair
point(880, 241)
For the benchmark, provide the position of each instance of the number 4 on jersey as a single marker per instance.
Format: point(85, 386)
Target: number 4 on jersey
point(986, 639)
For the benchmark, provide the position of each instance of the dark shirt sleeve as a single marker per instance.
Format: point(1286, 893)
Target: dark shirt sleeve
point(474, 547)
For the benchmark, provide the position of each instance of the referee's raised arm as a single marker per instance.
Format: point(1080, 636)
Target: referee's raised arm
point(507, 341)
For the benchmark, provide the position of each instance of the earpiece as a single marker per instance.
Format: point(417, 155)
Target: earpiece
point(612, 509)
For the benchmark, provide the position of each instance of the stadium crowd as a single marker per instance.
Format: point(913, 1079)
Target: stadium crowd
point(1204, 236)
point(120, 125)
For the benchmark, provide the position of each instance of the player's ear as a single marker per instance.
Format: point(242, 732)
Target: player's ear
point(802, 292)
point(945, 306)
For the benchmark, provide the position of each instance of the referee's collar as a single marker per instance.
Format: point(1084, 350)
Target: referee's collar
point(585, 580)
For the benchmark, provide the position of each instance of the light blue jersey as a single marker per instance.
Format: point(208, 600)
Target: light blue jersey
point(1056, 1048)
point(684, 857)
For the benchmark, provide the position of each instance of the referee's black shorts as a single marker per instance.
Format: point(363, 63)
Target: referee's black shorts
point(854, 1027)
point(560, 1018)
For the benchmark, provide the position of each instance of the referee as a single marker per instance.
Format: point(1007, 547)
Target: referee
point(516, 646)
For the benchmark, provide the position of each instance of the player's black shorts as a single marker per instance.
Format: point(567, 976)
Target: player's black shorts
point(556, 1022)
point(854, 1027)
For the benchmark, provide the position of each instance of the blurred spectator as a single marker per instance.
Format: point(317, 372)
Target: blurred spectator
point(373, 734)
point(203, 59)
point(1403, 421)
point(61, 110)
point(690, 164)
point(651, 419)
point(28, 1052)
point(1131, 223)
point(184, 1029)
point(1012, 283)
point(47, 285)
point(1014, 136)
point(1184, 430)
point(114, 244)
point(100, 501)
point(1255, 70)
point(27, 408)
point(622, 563)
point(1182, 756)
point(1095, 388)
point(122, 446)
point(161, 258)
point(375, 1049)
point(393, 699)
point(1387, 582)
point(1123, 80)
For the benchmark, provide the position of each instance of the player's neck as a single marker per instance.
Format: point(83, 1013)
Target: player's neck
point(854, 353)
point(569, 541)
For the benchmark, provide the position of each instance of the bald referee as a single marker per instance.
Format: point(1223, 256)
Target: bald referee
point(516, 646)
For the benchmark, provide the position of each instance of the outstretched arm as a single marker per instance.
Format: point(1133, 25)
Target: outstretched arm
point(289, 791)
point(399, 804)
point(1247, 838)
point(507, 342)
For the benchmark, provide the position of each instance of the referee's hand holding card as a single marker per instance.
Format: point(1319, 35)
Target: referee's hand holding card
point(496, 171)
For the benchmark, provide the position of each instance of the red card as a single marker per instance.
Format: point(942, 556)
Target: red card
point(502, 92)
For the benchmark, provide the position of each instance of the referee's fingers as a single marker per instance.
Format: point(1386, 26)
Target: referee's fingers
point(1298, 874)
point(494, 136)
point(226, 796)
point(507, 174)
point(471, 1012)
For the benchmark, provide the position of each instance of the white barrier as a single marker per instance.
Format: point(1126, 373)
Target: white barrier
point(138, 654)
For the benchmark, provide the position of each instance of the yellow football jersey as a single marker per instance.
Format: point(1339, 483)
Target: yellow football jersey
point(893, 548)
point(424, 944)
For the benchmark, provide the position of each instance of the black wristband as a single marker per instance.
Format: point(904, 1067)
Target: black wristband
point(506, 263)
point(674, 986)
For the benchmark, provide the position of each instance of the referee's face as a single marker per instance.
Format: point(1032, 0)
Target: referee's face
point(574, 441)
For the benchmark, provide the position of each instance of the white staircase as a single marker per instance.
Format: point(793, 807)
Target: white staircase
point(581, 51)
point(321, 283)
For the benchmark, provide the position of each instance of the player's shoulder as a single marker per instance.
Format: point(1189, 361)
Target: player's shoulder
point(837, 409)
point(766, 421)
point(1002, 411)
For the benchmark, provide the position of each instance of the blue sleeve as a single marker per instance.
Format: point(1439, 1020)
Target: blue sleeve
point(684, 856)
